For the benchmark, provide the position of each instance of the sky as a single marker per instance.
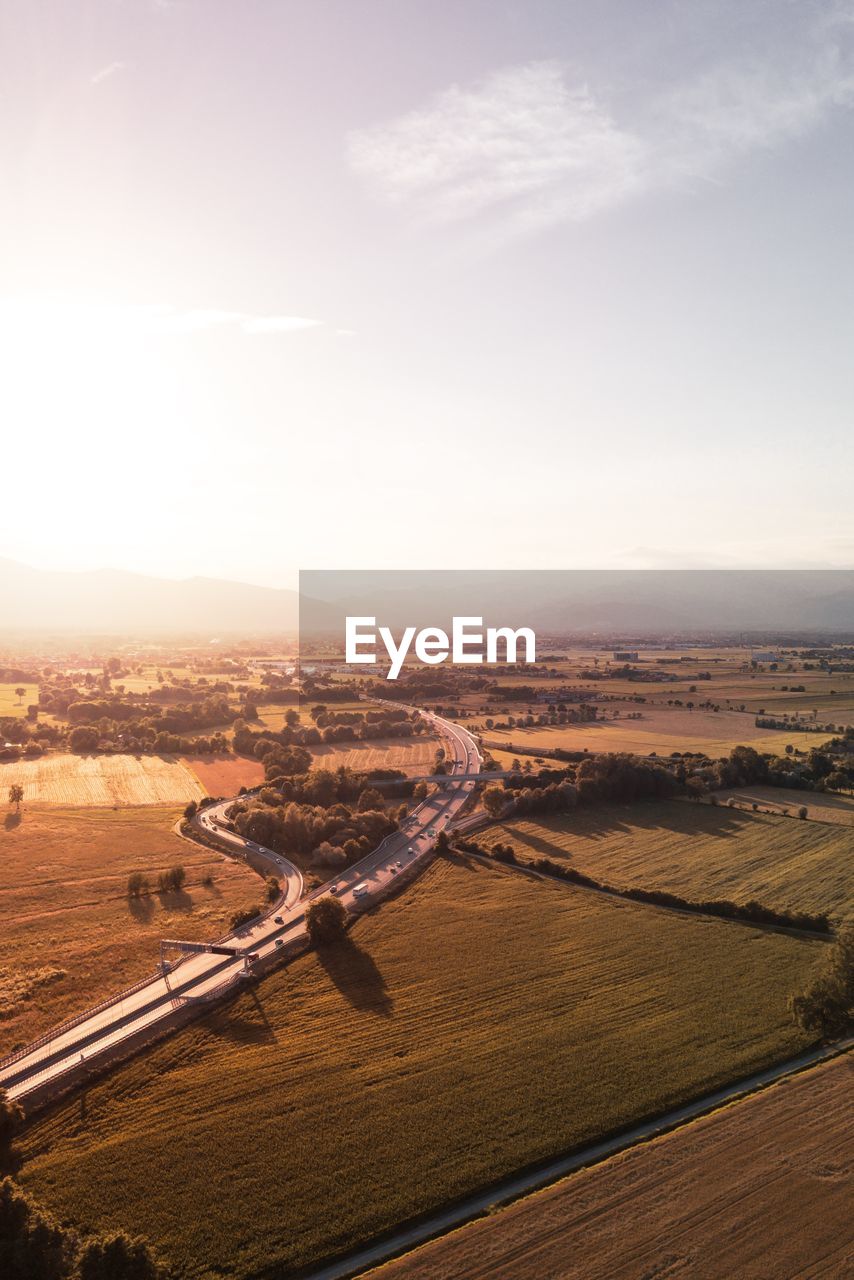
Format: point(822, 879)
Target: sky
point(426, 283)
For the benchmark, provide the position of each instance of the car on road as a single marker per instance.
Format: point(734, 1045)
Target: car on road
point(280, 942)
point(360, 890)
point(335, 888)
point(278, 920)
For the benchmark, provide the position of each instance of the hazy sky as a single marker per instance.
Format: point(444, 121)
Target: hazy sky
point(380, 283)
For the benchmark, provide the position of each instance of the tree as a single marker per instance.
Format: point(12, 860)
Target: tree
point(443, 844)
point(494, 801)
point(33, 1246)
point(116, 1257)
point(11, 1119)
point(420, 791)
point(138, 885)
point(696, 788)
point(827, 1005)
point(326, 920)
point(370, 799)
point(16, 795)
point(19, 694)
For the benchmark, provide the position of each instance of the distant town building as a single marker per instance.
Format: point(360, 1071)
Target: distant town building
point(625, 655)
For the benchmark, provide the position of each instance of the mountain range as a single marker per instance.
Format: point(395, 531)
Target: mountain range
point(113, 601)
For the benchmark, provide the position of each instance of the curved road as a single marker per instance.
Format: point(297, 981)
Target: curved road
point(205, 975)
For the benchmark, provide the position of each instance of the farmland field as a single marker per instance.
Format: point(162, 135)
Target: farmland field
point(698, 851)
point(410, 755)
point(760, 1188)
point(11, 704)
point(661, 731)
point(224, 775)
point(68, 933)
point(92, 781)
point(480, 1022)
point(823, 806)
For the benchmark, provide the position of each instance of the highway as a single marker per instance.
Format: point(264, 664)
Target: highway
point(148, 1007)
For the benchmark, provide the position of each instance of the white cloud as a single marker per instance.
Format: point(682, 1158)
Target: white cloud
point(525, 147)
point(52, 314)
point(172, 321)
point(111, 69)
point(521, 139)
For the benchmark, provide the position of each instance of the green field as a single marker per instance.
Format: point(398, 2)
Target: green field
point(475, 1024)
point(11, 704)
point(698, 851)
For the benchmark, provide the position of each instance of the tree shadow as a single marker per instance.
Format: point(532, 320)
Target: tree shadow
point(142, 908)
point(12, 820)
point(176, 900)
point(463, 861)
point(255, 1029)
point(356, 976)
point(598, 821)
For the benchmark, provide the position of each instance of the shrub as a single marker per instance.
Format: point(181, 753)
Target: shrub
point(803, 811)
point(243, 915)
point(273, 889)
point(326, 920)
point(191, 810)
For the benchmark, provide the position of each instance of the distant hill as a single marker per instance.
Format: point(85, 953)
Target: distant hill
point(642, 602)
point(649, 602)
point(114, 601)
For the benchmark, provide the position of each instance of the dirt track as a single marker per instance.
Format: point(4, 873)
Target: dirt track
point(761, 1190)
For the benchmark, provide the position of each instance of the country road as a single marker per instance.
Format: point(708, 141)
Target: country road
point(149, 1007)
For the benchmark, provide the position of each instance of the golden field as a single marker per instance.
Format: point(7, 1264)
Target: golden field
point(69, 935)
point(476, 1024)
point(699, 851)
point(95, 780)
point(761, 1188)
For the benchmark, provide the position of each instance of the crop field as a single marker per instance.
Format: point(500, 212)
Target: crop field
point(698, 851)
point(480, 1022)
point(224, 775)
point(410, 755)
point(69, 935)
point(93, 781)
point(11, 704)
point(823, 806)
point(660, 731)
point(696, 1202)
